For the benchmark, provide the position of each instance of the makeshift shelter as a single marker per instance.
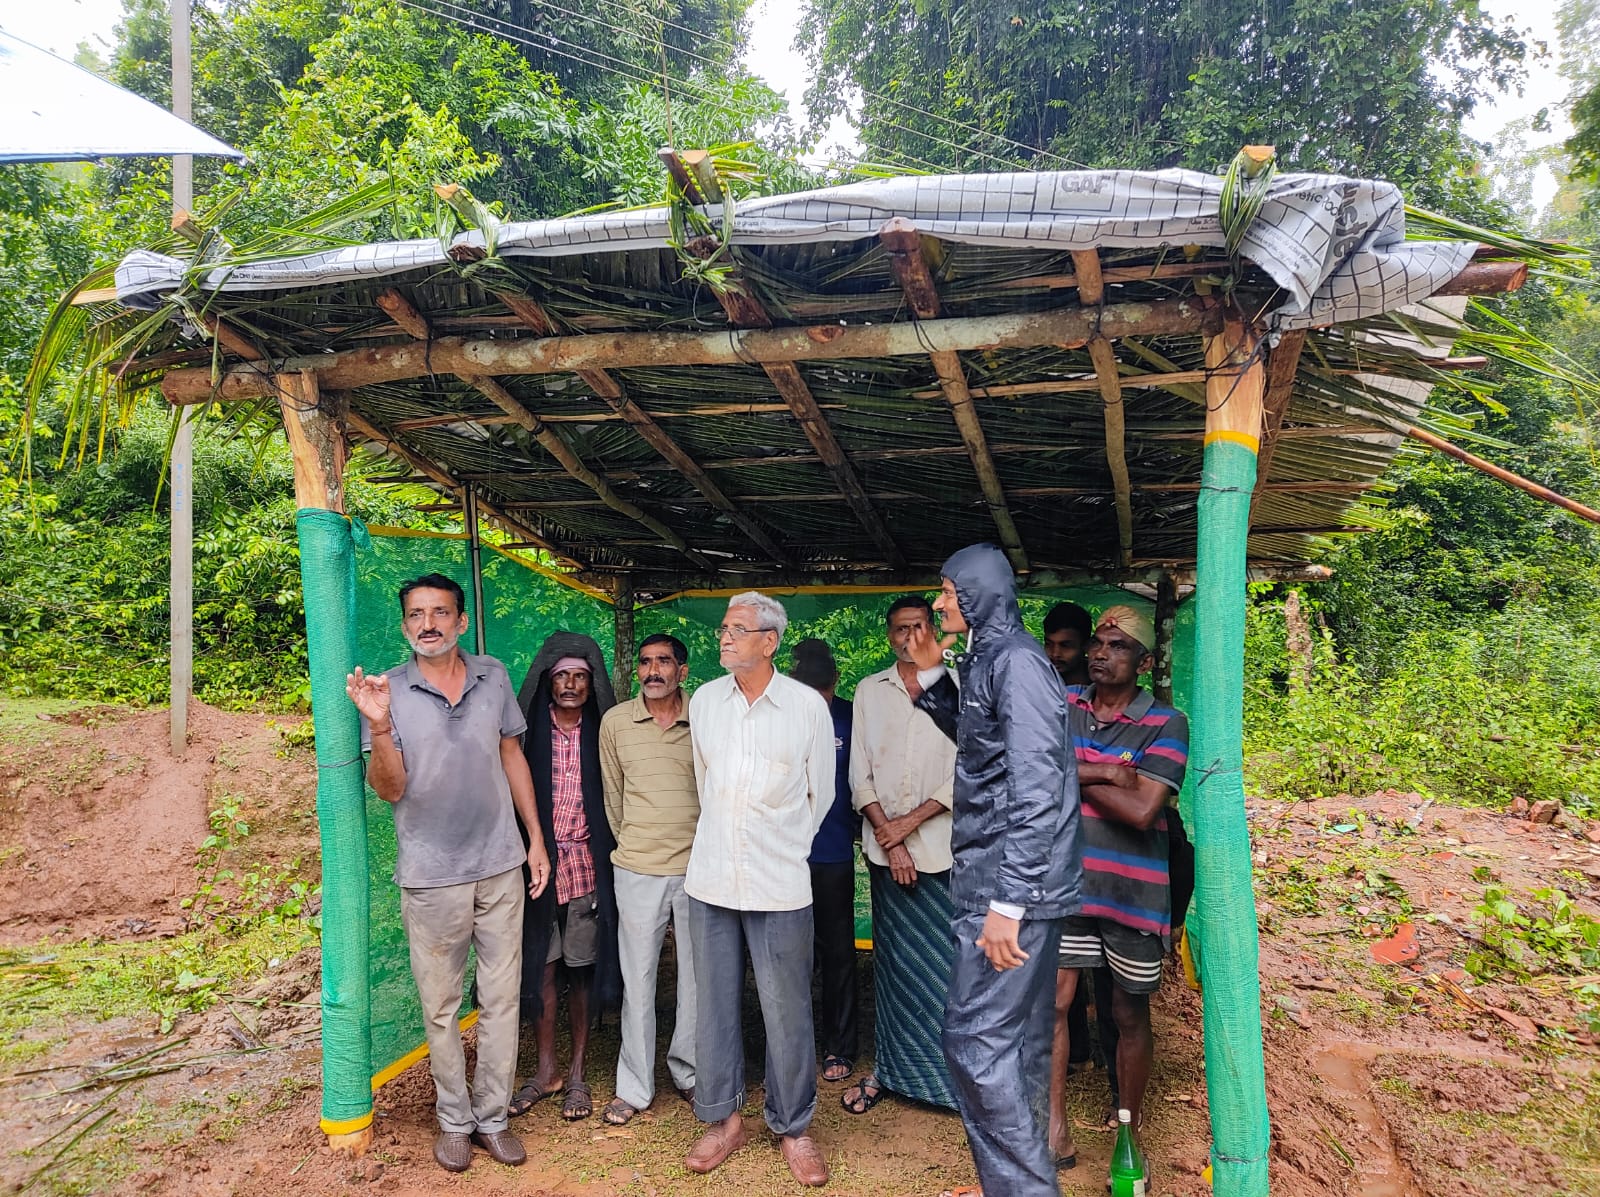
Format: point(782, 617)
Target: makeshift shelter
point(1158, 379)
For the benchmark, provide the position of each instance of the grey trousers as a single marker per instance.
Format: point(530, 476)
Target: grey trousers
point(441, 924)
point(997, 1028)
point(780, 956)
point(643, 906)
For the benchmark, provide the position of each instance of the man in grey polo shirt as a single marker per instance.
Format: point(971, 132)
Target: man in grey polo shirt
point(444, 732)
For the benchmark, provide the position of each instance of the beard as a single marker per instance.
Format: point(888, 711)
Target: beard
point(434, 649)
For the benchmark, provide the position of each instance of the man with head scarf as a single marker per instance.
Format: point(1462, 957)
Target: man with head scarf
point(1015, 874)
point(573, 923)
point(1132, 752)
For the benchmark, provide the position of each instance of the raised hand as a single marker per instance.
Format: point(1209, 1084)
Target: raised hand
point(371, 696)
point(925, 649)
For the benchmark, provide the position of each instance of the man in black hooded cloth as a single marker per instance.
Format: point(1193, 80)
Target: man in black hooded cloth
point(572, 925)
point(1016, 871)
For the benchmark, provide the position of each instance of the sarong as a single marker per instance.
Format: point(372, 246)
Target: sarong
point(912, 955)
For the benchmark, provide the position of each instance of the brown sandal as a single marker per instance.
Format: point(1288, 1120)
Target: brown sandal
point(577, 1103)
point(618, 1113)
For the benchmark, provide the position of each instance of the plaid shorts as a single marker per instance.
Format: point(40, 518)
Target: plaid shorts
point(1134, 957)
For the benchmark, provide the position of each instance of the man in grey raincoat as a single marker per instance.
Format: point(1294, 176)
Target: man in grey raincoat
point(1016, 867)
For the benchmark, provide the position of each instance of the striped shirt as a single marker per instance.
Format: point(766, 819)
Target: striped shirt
point(1125, 876)
point(574, 858)
point(651, 799)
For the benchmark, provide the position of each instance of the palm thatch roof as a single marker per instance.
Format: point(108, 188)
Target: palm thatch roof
point(594, 398)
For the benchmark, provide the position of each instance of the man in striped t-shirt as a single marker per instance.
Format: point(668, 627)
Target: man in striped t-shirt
point(1131, 753)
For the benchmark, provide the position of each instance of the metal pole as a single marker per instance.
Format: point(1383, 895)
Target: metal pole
point(471, 516)
point(181, 471)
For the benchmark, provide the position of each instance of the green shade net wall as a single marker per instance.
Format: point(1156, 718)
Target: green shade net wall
point(522, 606)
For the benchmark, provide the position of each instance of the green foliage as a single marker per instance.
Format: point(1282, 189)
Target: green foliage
point(1377, 88)
point(1475, 713)
point(1549, 934)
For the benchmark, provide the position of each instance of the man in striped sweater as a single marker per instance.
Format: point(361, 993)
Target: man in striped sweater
point(1132, 752)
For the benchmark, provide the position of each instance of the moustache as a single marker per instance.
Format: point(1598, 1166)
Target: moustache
point(655, 681)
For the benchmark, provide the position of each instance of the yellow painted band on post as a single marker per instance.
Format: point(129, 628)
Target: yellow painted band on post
point(864, 945)
point(385, 1075)
point(346, 1126)
point(1253, 443)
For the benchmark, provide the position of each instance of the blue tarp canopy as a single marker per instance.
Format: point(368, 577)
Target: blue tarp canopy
point(54, 111)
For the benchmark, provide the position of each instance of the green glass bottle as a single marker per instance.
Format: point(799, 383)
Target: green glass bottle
point(1127, 1161)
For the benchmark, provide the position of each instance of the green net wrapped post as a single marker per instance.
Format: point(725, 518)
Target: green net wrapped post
point(1224, 897)
point(328, 575)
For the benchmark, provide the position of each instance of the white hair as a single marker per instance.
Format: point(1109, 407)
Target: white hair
point(768, 608)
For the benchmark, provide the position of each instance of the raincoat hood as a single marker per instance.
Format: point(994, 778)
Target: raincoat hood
point(987, 590)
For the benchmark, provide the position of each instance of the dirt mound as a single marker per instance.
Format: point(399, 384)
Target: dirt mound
point(99, 826)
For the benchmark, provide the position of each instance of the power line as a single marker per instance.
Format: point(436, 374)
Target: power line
point(871, 95)
point(547, 43)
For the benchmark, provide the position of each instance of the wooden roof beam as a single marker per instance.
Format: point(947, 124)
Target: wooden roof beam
point(1283, 365)
point(533, 315)
point(444, 480)
point(694, 173)
point(403, 313)
point(900, 237)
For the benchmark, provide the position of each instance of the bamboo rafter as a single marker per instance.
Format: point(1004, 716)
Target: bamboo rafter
point(909, 260)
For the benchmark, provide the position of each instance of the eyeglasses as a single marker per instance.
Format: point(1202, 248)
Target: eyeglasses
point(739, 633)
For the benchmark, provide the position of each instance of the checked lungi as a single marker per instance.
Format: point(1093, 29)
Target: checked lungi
point(912, 954)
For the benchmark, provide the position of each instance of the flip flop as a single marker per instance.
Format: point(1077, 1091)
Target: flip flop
point(831, 1062)
point(577, 1103)
point(1064, 1162)
point(525, 1098)
point(862, 1101)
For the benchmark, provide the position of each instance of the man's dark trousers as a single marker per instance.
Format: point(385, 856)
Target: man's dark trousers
point(997, 1030)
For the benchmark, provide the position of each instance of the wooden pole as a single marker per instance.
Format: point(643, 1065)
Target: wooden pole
point(622, 643)
point(470, 517)
point(1166, 625)
point(908, 257)
point(1503, 474)
point(181, 471)
point(1225, 915)
point(1067, 328)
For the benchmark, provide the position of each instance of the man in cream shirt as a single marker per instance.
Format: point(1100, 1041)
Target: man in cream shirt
point(902, 772)
point(764, 760)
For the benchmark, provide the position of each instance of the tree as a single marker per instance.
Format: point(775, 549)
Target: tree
point(1377, 88)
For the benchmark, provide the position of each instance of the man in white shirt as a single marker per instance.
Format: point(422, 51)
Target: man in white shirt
point(902, 769)
point(763, 758)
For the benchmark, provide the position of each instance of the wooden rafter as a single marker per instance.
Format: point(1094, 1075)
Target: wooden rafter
point(444, 480)
point(1283, 364)
point(403, 313)
point(910, 264)
point(1105, 369)
point(533, 315)
point(693, 172)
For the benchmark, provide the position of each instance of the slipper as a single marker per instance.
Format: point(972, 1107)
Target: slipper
point(577, 1103)
point(687, 1094)
point(963, 1191)
point(525, 1098)
point(618, 1112)
point(1064, 1162)
point(863, 1101)
point(836, 1068)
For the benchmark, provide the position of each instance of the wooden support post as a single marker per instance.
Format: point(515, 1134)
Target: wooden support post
point(1105, 369)
point(694, 173)
point(622, 643)
point(909, 260)
point(609, 389)
point(1224, 914)
point(405, 314)
point(312, 423)
point(1166, 625)
point(469, 516)
point(1283, 364)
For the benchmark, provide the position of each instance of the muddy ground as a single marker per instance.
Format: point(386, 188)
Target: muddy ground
point(1391, 1072)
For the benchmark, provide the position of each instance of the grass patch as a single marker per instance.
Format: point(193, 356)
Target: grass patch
point(48, 984)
